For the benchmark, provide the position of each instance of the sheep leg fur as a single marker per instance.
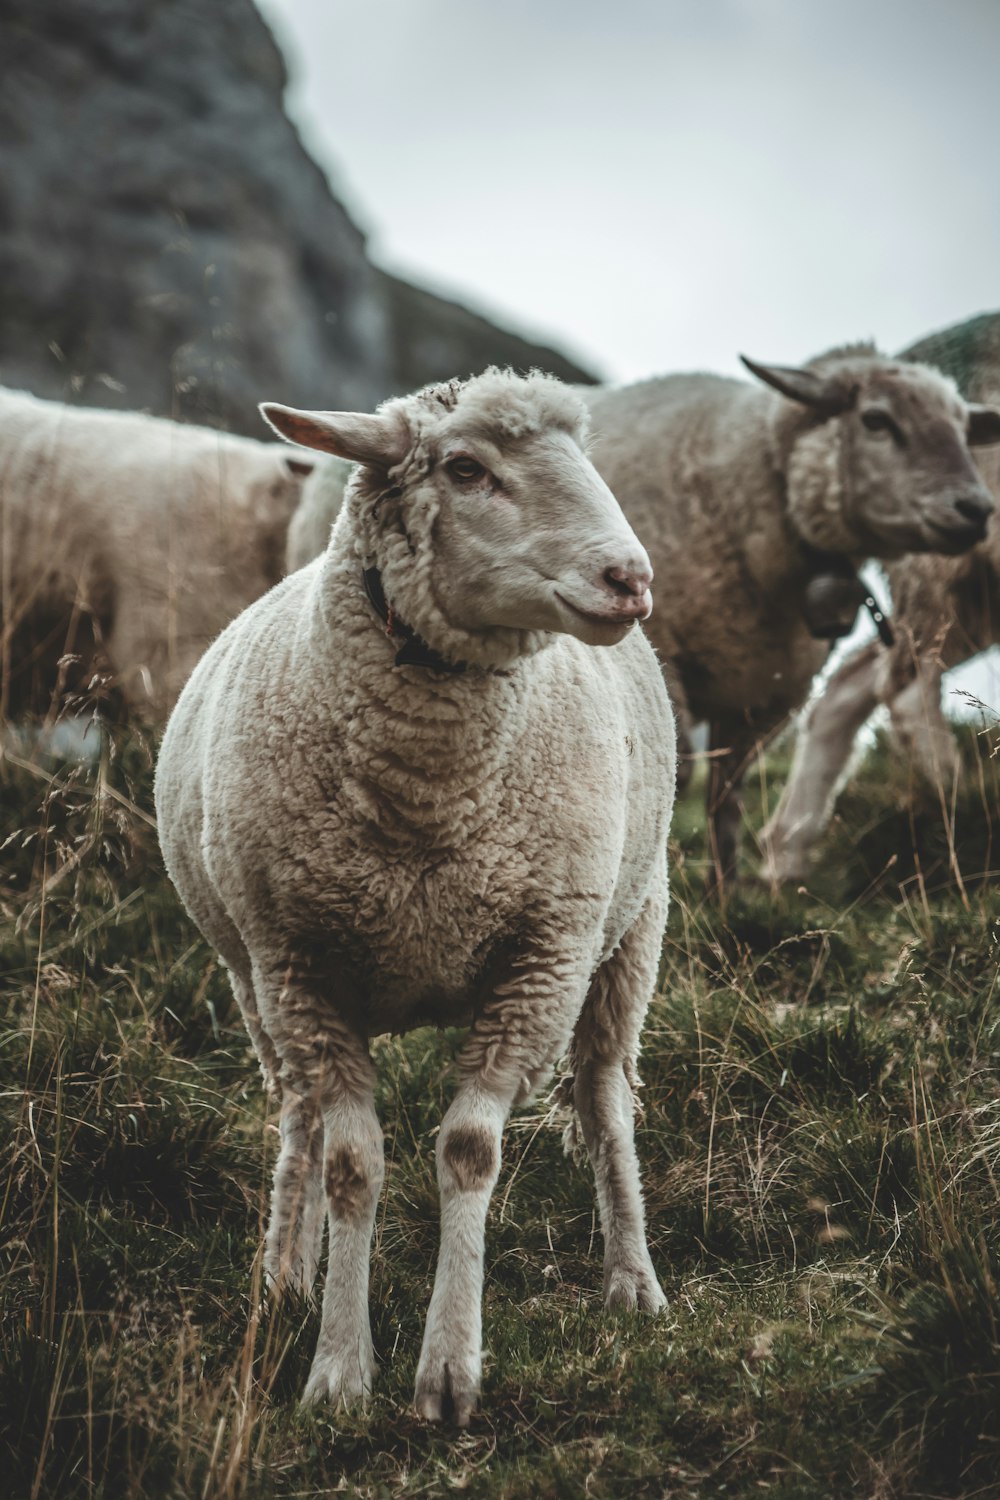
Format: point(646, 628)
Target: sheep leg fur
point(605, 1046)
point(919, 721)
point(343, 1367)
point(518, 1037)
point(326, 1064)
point(295, 1224)
point(734, 746)
point(822, 750)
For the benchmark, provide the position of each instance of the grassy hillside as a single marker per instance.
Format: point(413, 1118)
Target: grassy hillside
point(821, 1152)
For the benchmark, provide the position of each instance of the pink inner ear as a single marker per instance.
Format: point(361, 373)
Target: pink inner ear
point(299, 427)
point(381, 439)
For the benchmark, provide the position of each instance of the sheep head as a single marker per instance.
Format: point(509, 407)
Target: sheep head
point(879, 462)
point(490, 526)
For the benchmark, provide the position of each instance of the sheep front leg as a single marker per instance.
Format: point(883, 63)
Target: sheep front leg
point(514, 1043)
point(822, 750)
point(605, 1047)
point(468, 1162)
point(343, 1368)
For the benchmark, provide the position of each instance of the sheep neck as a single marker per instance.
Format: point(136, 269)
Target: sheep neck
point(414, 652)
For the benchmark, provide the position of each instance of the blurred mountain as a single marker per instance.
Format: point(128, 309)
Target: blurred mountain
point(166, 241)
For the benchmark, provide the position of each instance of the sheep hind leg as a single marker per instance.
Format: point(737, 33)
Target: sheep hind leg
point(295, 1222)
point(822, 750)
point(294, 1237)
point(733, 748)
point(919, 722)
point(605, 1046)
point(327, 1070)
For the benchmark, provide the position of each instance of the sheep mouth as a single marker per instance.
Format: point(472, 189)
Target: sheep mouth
point(954, 537)
point(613, 621)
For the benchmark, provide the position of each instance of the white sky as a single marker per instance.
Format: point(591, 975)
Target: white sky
point(656, 184)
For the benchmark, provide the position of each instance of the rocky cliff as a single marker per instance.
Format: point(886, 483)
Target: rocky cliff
point(166, 242)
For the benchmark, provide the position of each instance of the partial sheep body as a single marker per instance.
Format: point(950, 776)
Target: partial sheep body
point(945, 610)
point(374, 845)
point(128, 538)
point(318, 508)
point(756, 502)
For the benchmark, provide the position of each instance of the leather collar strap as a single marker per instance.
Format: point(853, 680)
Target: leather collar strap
point(414, 652)
point(882, 623)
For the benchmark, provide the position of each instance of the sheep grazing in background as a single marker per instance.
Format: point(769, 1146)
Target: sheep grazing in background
point(128, 541)
point(945, 610)
point(403, 788)
point(757, 503)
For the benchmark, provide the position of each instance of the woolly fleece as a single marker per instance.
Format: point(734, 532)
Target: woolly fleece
point(158, 533)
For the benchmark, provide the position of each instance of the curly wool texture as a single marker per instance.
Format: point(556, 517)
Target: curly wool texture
point(158, 532)
point(547, 786)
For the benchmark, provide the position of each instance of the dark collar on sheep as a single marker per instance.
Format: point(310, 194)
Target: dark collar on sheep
point(414, 652)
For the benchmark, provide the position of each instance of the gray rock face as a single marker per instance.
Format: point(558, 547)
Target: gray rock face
point(167, 243)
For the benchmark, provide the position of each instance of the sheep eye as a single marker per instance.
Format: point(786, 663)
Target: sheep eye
point(880, 421)
point(465, 469)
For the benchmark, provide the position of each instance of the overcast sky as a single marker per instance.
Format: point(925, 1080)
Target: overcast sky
point(656, 184)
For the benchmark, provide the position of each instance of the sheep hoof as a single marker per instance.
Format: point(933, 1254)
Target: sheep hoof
point(446, 1392)
point(339, 1382)
point(627, 1290)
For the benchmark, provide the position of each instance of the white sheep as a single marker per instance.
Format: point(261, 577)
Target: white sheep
point(403, 788)
point(756, 506)
point(131, 538)
point(944, 611)
point(320, 502)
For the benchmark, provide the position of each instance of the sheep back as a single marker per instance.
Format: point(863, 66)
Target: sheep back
point(154, 533)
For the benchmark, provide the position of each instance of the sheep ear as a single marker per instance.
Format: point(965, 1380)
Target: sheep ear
point(297, 468)
point(381, 440)
point(984, 426)
point(823, 393)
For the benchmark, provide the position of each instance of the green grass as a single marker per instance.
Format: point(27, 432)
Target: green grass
point(821, 1152)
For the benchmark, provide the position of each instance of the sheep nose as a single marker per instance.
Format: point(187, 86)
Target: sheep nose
point(628, 585)
point(975, 505)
